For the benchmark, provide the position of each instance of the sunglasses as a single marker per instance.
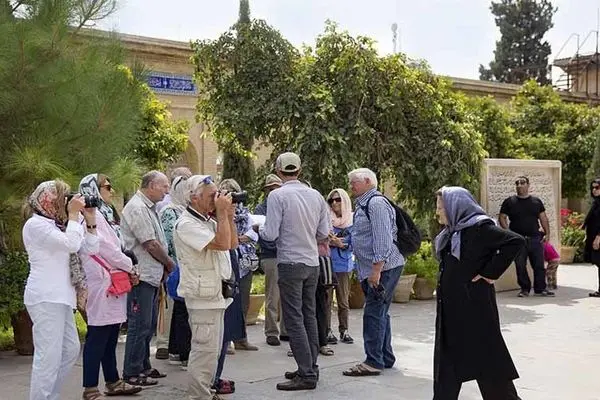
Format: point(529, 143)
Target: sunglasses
point(521, 182)
point(107, 187)
point(335, 200)
point(595, 187)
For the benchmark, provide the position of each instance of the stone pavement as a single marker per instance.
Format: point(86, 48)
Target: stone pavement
point(555, 344)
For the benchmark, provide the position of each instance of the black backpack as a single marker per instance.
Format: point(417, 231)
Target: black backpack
point(408, 239)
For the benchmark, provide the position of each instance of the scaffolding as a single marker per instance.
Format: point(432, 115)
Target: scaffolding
point(581, 68)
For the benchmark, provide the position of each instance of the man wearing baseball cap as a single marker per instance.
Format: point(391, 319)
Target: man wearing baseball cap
point(297, 218)
point(268, 263)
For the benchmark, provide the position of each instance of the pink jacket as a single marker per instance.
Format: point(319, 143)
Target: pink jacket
point(103, 309)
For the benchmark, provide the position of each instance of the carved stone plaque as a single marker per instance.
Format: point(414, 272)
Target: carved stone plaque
point(498, 178)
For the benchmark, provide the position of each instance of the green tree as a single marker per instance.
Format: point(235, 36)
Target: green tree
point(550, 129)
point(492, 121)
point(521, 53)
point(161, 139)
point(594, 169)
point(244, 78)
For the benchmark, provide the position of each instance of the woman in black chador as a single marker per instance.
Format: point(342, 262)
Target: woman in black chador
point(592, 232)
point(473, 253)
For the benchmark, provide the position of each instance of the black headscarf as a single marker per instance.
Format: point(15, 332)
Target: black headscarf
point(594, 212)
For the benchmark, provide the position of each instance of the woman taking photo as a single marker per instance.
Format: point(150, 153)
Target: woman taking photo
point(473, 253)
point(105, 311)
point(52, 236)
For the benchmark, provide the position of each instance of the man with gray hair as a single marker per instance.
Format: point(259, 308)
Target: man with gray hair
point(202, 243)
point(297, 218)
point(143, 235)
point(379, 264)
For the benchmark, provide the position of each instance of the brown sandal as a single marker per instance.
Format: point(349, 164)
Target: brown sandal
point(361, 370)
point(92, 394)
point(121, 388)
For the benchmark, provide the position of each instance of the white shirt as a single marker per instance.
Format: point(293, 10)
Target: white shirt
point(201, 270)
point(49, 249)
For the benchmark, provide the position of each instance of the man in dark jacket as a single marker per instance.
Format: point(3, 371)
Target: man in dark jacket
point(268, 263)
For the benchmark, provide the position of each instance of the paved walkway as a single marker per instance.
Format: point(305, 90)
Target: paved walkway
point(555, 344)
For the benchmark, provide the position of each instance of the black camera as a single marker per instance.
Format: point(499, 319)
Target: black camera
point(90, 201)
point(239, 197)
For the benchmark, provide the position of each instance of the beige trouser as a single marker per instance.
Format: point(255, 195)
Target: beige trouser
point(207, 340)
point(342, 292)
point(162, 337)
point(272, 304)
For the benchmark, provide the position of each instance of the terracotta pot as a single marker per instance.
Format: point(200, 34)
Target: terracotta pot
point(404, 288)
point(567, 254)
point(356, 297)
point(423, 289)
point(256, 303)
point(22, 328)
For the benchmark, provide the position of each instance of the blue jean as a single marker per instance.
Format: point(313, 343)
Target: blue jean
point(377, 330)
point(100, 348)
point(142, 317)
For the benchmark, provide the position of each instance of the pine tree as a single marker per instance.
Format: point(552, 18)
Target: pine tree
point(238, 164)
point(68, 106)
point(521, 53)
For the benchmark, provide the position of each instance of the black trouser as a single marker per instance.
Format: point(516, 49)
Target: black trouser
point(534, 250)
point(182, 334)
point(322, 303)
point(100, 348)
point(490, 390)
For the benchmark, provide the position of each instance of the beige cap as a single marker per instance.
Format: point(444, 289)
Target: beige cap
point(288, 162)
point(272, 180)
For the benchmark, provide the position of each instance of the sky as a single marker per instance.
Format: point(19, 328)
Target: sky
point(453, 36)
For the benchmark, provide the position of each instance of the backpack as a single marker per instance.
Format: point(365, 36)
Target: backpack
point(408, 239)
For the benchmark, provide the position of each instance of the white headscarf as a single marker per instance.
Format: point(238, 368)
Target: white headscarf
point(346, 219)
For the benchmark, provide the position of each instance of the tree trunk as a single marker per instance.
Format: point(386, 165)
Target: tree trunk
point(22, 329)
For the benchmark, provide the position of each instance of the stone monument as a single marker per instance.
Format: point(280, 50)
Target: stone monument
point(498, 178)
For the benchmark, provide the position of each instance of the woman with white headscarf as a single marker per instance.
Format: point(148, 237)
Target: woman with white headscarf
point(340, 242)
point(105, 311)
point(473, 253)
point(52, 236)
point(180, 334)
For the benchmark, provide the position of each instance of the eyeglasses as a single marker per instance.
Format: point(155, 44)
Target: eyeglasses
point(107, 187)
point(334, 200)
point(520, 182)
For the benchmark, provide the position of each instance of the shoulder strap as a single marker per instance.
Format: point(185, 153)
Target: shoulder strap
point(366, 206)
point(101, 262)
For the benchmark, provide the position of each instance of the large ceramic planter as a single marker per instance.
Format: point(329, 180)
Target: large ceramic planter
point(404, 288)
point(567, 254)
point(423, 289)
point(256, 303)
point(22, 328)
point(356, 297)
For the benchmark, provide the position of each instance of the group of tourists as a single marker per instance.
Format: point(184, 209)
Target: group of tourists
point(178, 263)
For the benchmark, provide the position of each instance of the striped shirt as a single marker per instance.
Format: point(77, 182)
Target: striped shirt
point(373, 241)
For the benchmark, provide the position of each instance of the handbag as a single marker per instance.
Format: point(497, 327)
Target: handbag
point(119, 280)
point(327, 277)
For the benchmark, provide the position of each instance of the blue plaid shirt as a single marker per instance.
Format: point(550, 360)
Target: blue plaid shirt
point(373, 241)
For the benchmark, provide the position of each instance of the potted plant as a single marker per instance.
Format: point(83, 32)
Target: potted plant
point(13, 276)
point(572, 237)
point(257, 299)
point(424, 265)
point(356, 297)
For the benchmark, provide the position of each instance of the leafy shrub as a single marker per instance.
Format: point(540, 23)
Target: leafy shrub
point(258, 284)
point(13, 276)
point(423, 264)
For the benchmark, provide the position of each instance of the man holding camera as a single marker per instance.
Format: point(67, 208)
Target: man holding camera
point(143, 235)
point(202, 243)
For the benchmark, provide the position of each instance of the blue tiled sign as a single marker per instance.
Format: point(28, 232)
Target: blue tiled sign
point(172, 84)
